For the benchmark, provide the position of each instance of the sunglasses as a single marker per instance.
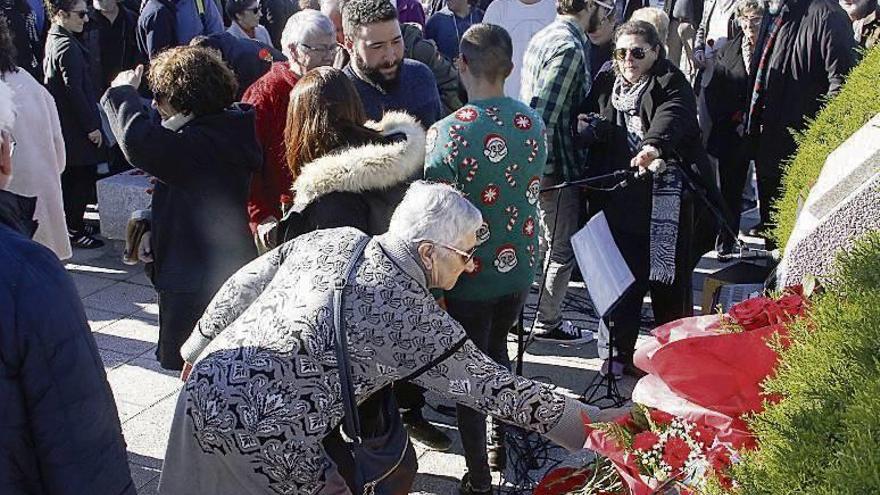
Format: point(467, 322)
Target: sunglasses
point(466, 256)
point(81, 13)
point(638, 53)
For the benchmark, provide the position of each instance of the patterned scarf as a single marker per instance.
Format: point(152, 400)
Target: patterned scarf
point(747, 50)
point(756, 106)
point(626, 98)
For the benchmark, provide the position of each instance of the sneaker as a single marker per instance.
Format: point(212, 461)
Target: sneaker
point(423, 432)
point(81, 240)
point(465, 487)
point(566, 333)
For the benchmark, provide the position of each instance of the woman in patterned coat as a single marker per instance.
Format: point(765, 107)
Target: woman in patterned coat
point(264, 394)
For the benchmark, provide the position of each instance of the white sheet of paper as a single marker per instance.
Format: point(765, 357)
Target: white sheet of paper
point(605, 272)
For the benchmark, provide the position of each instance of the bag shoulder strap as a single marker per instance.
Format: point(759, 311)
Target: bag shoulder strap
point(351, 418)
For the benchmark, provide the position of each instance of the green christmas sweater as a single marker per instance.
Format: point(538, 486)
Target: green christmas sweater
point(494, 150)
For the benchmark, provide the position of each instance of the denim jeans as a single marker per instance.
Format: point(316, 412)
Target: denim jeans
point(486, 324)
point(560, 213)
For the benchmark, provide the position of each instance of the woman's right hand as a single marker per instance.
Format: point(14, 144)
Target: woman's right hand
point(187, 369)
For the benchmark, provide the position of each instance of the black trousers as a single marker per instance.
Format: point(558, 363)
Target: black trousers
point(486, 324)
point(733, 170)
point(668, 301)
point(78, 187)
point(178, 314)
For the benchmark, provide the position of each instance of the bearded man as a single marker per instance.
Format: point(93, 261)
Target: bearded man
point(384, 79)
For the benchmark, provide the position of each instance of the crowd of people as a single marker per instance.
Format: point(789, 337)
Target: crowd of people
point(354, 197)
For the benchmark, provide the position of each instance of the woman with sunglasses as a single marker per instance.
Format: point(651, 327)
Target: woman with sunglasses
point(245, 16)
point(68, 77)
point(646, 110)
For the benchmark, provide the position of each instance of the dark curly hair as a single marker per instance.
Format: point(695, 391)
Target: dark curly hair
point(193, 80)
point(8, 61)
point(55, 6)
point(357, 13)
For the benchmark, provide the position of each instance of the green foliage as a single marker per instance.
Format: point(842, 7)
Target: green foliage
point(824, 436)
point(858, 101)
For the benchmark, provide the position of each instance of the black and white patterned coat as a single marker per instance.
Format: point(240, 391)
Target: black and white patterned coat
point(264, 389)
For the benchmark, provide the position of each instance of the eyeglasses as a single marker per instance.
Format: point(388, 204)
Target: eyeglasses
point(81, 13)
point(750, 21)
point(325, 49)
point(466, 256)
point(638, 53)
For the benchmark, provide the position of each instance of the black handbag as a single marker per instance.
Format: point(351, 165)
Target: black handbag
point(384, 463)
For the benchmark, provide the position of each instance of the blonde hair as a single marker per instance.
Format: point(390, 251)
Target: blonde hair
point(655, 17)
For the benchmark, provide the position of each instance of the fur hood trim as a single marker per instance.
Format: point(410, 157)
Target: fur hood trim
point(365, 168)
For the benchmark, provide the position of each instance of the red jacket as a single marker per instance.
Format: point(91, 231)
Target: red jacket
point(270, 95)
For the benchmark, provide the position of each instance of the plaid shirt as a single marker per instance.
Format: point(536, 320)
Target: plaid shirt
point(555, 80)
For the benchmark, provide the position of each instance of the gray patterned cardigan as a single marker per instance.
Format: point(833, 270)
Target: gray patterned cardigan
point(264, 389)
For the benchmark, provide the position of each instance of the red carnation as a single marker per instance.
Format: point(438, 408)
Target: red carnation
point(265, 54)
point(645, 441)
point(661, 418)
point(719, 458)
point(676, 453)
point(705, 435)
point(792, 305)
point(750, 314)
point(563, 480)
point(627, 422)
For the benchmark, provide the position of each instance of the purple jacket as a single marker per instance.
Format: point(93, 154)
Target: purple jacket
point(411, 11)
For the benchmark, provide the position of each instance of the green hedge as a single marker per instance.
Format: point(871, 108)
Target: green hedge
point(824, 437)
point(858, 101)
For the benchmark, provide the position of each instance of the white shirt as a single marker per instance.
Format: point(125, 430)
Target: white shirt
point(522, 22)
point(261, 34)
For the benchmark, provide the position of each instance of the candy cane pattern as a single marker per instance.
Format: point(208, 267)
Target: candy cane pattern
point(531, 249)
point(471, 164)
point(508, 174)
point(533, 152)
point(455, 134)
point(452, 152)
point(492, 113)
point(512, 214)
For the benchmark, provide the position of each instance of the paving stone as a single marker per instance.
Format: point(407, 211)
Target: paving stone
point(147, 433)
point(88, 284)
point(113, 360)
point(127, 410)
point(124, 298)
point(141, 386)
point(133, 329)
point(143, 475)
point(151, 488)
point(99, 319)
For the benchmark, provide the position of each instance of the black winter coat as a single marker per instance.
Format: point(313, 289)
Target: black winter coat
point(69, 79)
point(200, 233)
point(27, 40)
point(814, 51)
point(727, 98)
point(104, 71)
point(59, 427)
point(669, 115)
point(249, 59)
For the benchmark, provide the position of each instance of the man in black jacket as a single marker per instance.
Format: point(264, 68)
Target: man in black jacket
point(804, 51)
point(110, 39)
point(61, 431)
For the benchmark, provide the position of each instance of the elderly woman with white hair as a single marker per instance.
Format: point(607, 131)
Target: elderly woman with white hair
point(262, 408)
point(308, 41)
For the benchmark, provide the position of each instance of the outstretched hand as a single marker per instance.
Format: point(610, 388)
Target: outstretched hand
point(129, 77)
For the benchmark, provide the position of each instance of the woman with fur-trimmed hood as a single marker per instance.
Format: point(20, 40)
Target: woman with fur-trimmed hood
point(347, 171)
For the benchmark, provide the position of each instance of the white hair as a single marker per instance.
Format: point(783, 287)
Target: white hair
point(328, 6)
point(303, 25)
point(436, 212)
point(7, 107)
